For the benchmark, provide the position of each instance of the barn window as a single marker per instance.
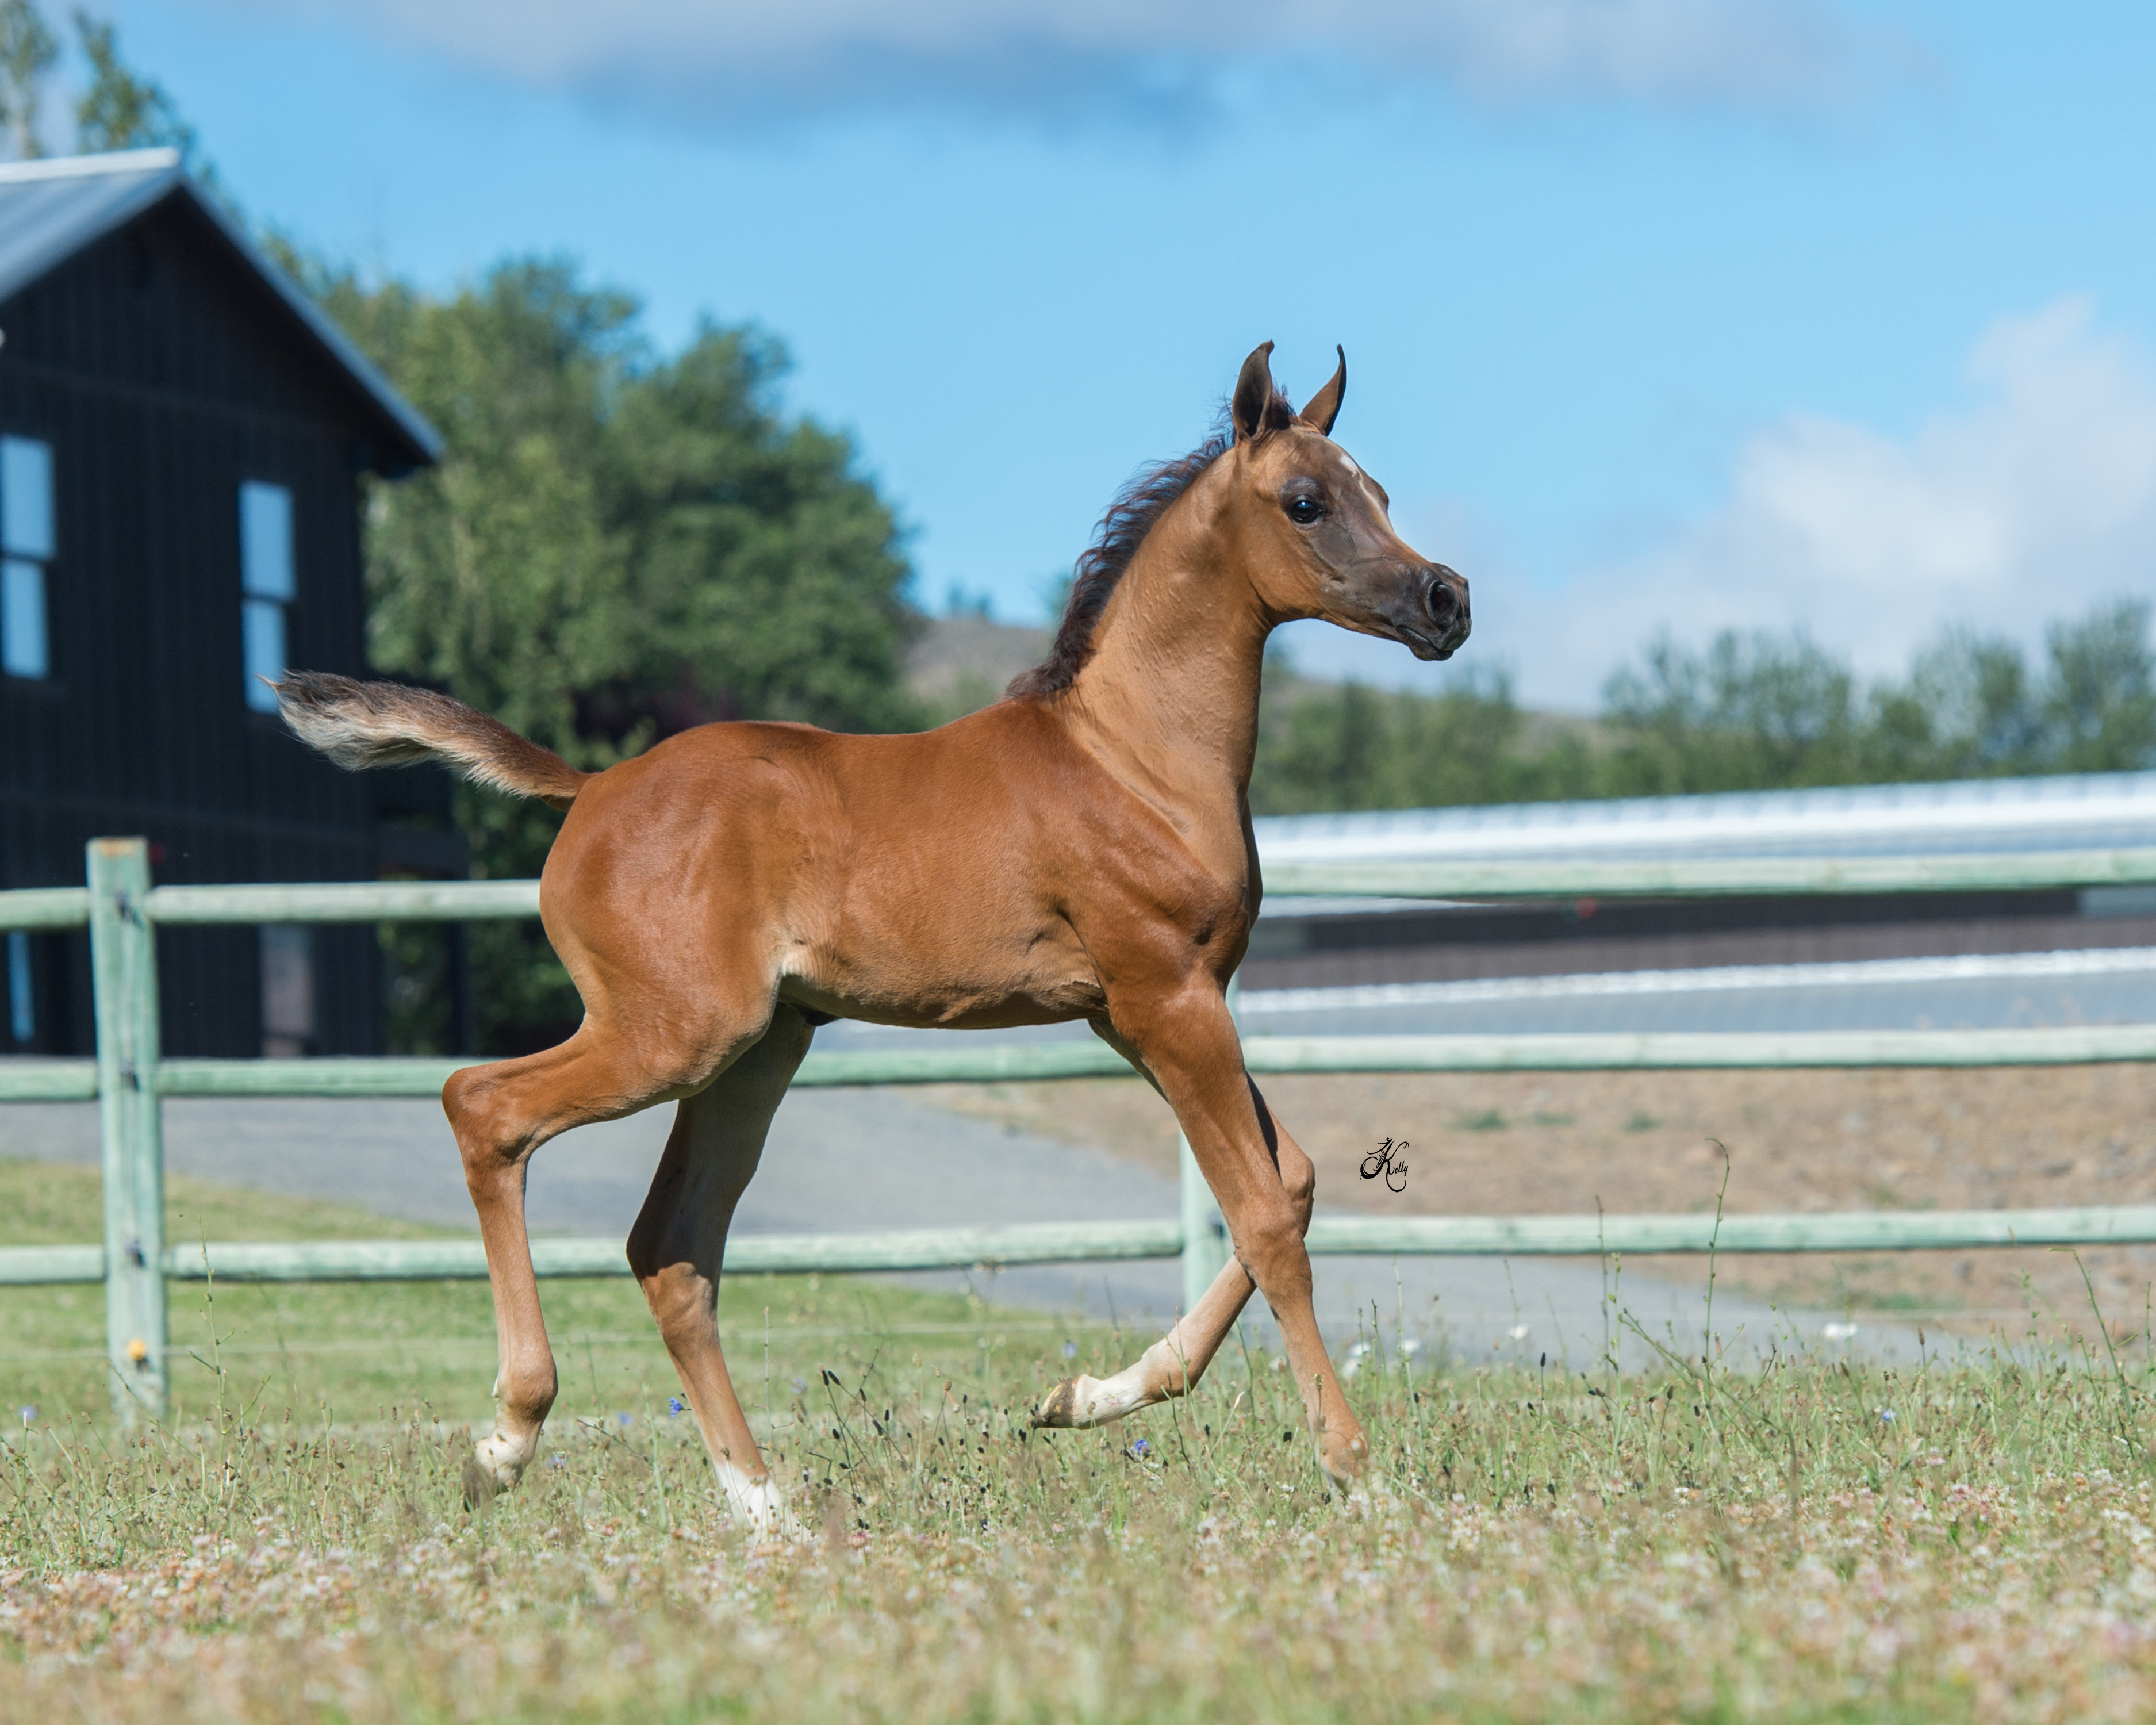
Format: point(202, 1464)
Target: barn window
point(21, 997)
point(25, 550)
point(265, 581)
point(288, 990)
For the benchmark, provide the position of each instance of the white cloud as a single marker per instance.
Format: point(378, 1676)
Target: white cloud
point(2033, 505)
point(716, 59)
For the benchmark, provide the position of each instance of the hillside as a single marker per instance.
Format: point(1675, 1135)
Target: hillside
point(959, 663)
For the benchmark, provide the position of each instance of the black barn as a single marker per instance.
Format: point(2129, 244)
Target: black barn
point(182, 438)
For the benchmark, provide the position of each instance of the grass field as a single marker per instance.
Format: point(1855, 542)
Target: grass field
point(1815, 1544)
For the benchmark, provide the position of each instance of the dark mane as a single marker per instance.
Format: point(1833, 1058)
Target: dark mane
point(1137, 508)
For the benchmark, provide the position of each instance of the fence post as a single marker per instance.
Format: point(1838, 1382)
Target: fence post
point(123, 959)
point(1204, 1238)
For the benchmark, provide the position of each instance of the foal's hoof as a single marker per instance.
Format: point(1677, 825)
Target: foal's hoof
point(481, 1487)
point(1344, 1459)
point(1058, 1412)
point(495, 1464)
point(755, 1503)
point(1372, 1495)
point(1077, 1403)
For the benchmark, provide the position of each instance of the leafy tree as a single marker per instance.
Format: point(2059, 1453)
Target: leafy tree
point(1348, 746)
point(27, 54)
point(121, 110)
point(1749, 712)
point(618, 544)
point(1967, 710)
point(2099, 699)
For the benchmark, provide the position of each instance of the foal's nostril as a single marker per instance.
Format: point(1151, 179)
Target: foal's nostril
point(1442, 602)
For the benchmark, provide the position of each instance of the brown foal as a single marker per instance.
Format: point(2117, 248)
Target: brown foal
point(1081, 849)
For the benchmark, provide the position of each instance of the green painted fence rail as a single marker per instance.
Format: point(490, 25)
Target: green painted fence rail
point(1001, 1063)
point(129, 1080)
point(1101, 1242)
point(44, 907)
point(30, 1266)
point(466, 1259)
point(347, 901)
point(31, 1080)
point(1826, 1231)
point(468, 900)
point(1706, 877)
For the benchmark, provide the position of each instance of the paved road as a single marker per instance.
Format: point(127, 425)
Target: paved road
point(868, 1159)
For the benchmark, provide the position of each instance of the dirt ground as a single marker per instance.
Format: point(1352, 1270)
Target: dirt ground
point(1526, 1143)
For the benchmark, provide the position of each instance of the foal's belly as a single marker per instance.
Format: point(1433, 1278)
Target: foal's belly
point(946, 1011)
point(949, 1004)
point(982, 979)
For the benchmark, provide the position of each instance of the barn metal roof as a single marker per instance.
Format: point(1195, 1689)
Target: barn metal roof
point(51, 209)
point(2064, 812)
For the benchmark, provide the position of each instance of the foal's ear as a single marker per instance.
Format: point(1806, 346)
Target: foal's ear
point(1254, 394)
point(1323, 408)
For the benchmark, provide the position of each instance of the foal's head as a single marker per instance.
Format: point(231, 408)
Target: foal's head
point(1308, 525)
point(1316, 537)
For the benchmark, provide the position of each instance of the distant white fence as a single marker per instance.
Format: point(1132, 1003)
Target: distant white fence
point(129, 1078)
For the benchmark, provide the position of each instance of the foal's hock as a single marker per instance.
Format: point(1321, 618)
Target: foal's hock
point(1081, 850)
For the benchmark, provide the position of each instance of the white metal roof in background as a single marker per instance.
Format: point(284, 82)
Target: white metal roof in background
point(2091, 811)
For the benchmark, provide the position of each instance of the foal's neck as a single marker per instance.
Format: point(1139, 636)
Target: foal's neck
point(1169, 697)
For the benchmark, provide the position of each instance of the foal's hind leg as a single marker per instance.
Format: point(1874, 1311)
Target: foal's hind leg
point(678, 1247)
point(501, 1114)
point(1173, 1365)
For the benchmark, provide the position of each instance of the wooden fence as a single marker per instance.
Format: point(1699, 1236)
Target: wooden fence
point(129, 1078)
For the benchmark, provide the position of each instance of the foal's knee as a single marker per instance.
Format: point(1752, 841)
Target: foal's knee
point(525, 1389)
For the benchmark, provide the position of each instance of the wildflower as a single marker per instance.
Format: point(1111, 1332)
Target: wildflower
point(674, 1405)
point(799, 1388)
point(1140, 1450)
point(622, 1418)
point(1885, 1416)
point(29, 1413)
point(1071, 1350)
point(555, 1462)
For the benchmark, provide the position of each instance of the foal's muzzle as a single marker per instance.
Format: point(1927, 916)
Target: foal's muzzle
point(1444, 602)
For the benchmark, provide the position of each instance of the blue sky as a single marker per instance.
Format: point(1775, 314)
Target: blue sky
point(1660, 314)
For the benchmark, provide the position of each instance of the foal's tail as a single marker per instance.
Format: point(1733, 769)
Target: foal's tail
point(360, 725)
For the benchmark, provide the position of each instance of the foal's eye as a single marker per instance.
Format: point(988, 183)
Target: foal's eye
point(1303, 510)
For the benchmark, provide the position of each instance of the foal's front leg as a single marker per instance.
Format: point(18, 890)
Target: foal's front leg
point(1189, 1045)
